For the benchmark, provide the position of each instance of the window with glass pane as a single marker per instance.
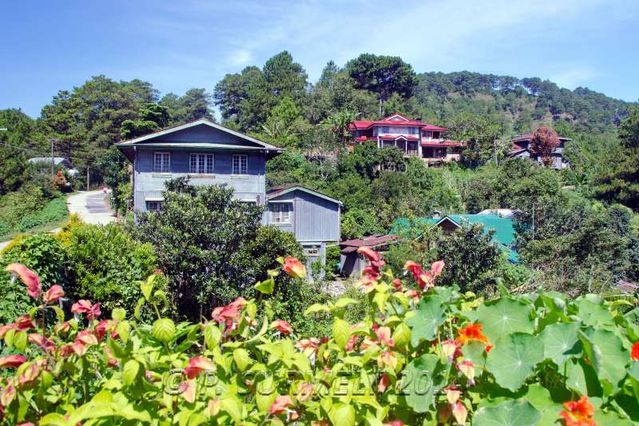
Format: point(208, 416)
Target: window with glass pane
point(281, 213)
point(240, 164)
point(161, 162)
point(201, 163)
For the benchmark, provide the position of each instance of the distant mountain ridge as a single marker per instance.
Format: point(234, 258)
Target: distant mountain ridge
point(519, 102)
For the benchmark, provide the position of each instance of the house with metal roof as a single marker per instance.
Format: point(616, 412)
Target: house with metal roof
point(414, 137)
point(210, 154)
point(313, 217)
point(502, 228)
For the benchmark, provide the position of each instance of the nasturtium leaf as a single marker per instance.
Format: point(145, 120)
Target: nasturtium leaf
point(608, 357)
point(610, 419)
point(593, 312)
point(421, 378)
point(582, 378)
point(130, 372)
point(503, 317)
point(265, 287)
point(540, 398)
point(508, 413)
point(475, 352)
point(561, 342)
point(513, 359)
point(427, 319)
point(341, 332)
point(163, 330)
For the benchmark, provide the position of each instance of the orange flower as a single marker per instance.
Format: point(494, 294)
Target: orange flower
point(578, 413)
point(294, 267)
point(470, 333)
point(423, 278)
point(634, 354)
point(28, 277)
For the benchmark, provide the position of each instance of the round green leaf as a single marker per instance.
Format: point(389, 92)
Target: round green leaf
point(561, 342)
point(503, 317)
point(427, 319)
point(163, 330)
point(513, 359)
point(420, 380)
point(508, 413)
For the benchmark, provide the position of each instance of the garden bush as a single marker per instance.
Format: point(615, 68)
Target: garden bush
point(104, 263)
point(422, 354)
point(40, 252)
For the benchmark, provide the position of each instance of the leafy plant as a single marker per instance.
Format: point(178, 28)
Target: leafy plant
point(421, 354)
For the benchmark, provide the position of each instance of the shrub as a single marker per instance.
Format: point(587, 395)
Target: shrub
point(419, 355)
point(211, 246)
point(40, 252)
point(104, 261)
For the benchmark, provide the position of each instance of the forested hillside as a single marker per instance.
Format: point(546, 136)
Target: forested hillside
point(519, 103)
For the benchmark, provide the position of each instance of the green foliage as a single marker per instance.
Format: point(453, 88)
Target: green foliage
point(30, 208)
point(383, 75)
point(409, 358)
point(211, 246)
point(103, 261)
point(40, 252)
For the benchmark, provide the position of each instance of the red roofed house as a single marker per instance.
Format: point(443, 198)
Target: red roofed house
point(415, 138)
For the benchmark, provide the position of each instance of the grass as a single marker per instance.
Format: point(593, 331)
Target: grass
point(51, 215)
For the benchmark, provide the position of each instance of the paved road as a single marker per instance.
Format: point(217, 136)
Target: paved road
point(91, 206)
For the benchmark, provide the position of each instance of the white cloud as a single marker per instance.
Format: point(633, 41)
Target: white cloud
point(240, 57)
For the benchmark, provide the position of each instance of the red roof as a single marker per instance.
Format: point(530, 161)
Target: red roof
point(432, 127)
point(442, 144)
point(391, 120)
point(371, 241)
point(528, 137)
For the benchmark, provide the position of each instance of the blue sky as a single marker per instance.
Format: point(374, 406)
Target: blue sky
point(50, 45)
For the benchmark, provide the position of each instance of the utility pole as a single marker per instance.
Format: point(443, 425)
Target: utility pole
point(52, 163)
point(88, 177)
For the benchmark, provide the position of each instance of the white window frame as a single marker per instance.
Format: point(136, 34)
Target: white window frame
point(281, 216)
point(239, 171)
point(202, 163)
point(164, 162)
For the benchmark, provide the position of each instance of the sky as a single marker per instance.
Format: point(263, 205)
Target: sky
point(52, 45)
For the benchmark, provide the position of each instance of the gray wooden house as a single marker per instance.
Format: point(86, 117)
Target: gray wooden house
point(314, 218)
point(210, 154)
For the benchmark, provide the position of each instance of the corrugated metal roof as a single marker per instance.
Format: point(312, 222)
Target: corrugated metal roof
point(504, 232)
